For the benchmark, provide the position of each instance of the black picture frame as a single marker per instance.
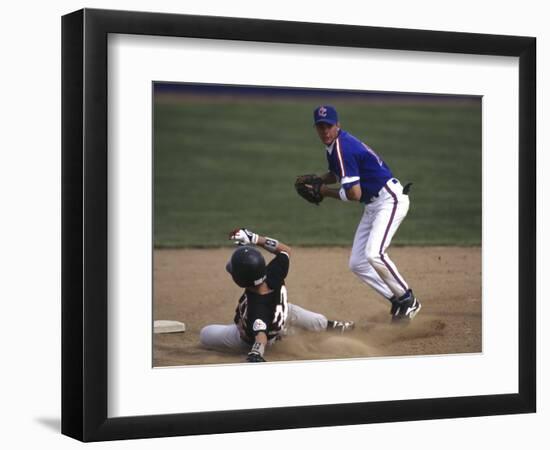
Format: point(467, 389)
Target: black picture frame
point(84, 224)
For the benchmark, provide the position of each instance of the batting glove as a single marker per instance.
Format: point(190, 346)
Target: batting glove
point(255, 357)
point(242, 236)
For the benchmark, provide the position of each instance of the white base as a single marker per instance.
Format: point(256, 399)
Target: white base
point(168, 326)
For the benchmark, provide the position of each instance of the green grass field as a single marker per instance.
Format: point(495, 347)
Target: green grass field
point(225, 163)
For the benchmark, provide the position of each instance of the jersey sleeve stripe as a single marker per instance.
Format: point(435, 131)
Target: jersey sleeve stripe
point(340, 160)
point(347, 180)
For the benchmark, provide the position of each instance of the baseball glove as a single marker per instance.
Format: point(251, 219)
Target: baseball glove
point(309, 188)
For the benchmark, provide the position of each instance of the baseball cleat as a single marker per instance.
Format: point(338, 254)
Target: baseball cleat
point(340, 325)
point(405, 308)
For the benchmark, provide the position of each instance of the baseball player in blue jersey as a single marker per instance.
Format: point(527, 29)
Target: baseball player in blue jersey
point(364, 177)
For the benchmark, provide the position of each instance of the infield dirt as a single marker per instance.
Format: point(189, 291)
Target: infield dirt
point(191, 286)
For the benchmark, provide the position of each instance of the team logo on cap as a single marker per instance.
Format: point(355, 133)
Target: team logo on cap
point(322, 111)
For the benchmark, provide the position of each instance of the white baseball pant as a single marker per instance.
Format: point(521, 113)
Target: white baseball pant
point(227, 337)
point(369, 259)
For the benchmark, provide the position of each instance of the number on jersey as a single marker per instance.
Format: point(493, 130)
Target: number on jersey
point(281, 310)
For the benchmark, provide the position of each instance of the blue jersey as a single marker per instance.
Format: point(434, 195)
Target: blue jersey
point(354, 162)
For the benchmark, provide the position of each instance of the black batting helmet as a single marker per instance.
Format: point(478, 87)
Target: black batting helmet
point(247, 267)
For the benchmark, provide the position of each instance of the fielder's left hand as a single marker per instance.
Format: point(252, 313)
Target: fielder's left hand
point(309, 188)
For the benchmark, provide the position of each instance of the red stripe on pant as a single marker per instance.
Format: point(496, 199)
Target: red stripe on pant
point(381, 252)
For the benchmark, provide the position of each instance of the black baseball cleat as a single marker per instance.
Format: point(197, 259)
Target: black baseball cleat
point(340, 325)
point(405, 307)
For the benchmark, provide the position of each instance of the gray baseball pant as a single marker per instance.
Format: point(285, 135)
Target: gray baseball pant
point(227, 337)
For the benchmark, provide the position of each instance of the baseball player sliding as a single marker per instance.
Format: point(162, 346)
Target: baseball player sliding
point(364, 178)
point(263, 313)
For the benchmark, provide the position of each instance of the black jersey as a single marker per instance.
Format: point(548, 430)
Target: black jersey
point(267, 312)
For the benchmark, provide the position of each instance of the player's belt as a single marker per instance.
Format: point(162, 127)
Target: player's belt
point(371, 199)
